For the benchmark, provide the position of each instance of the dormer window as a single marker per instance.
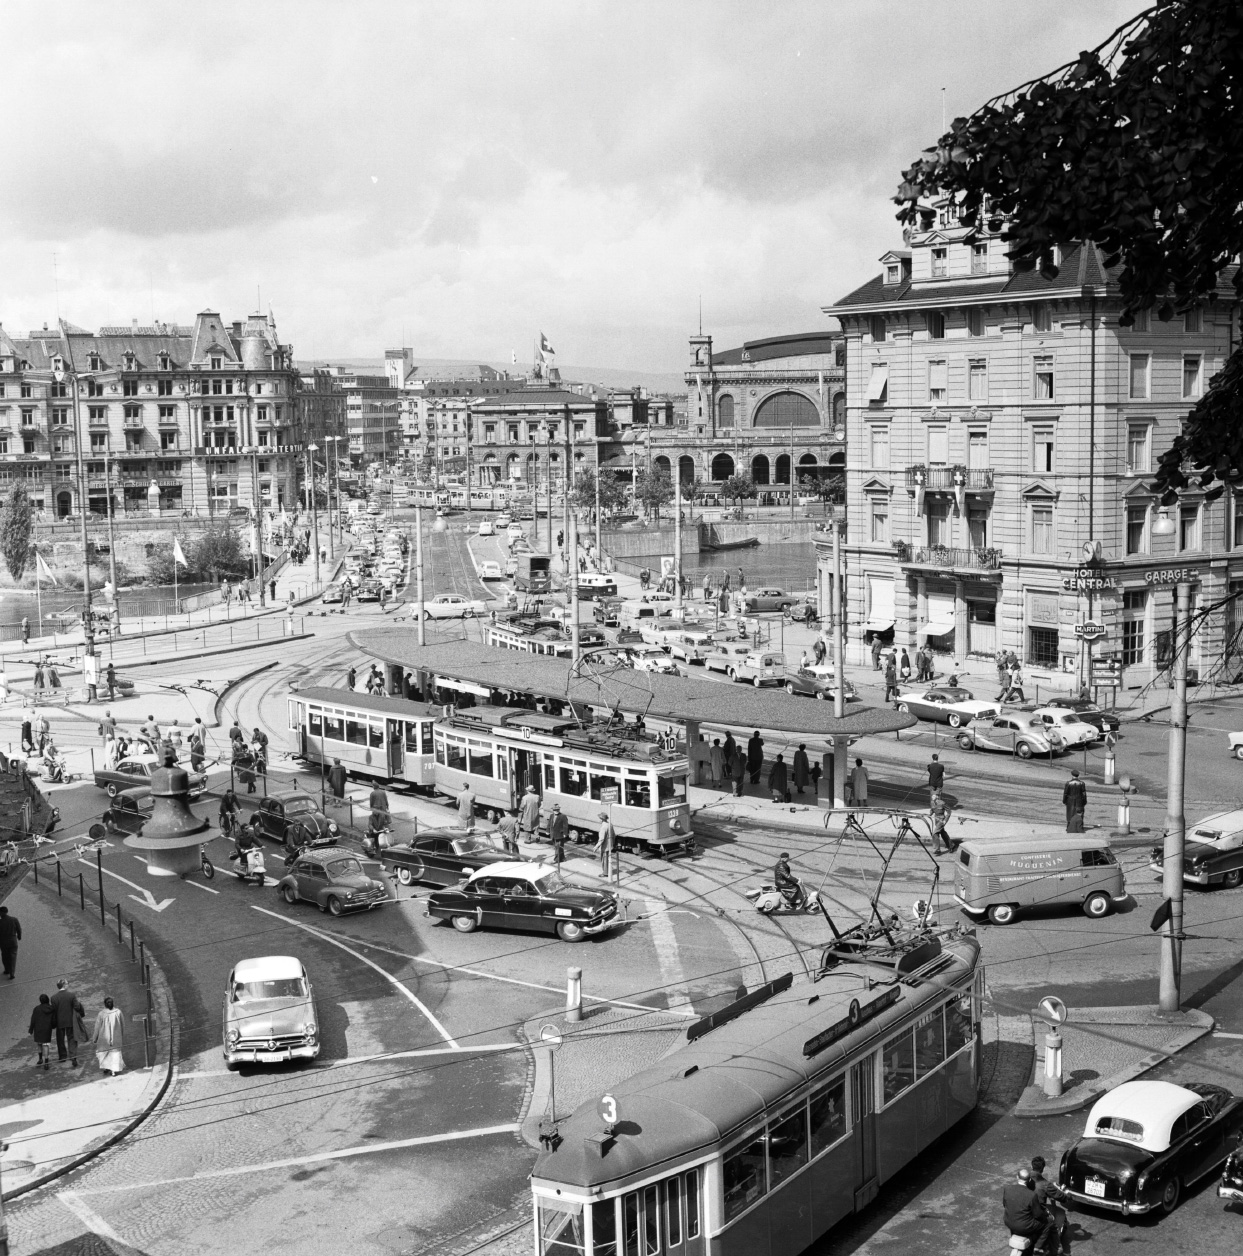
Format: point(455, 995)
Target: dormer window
point(166, 363)
point(94, 363)
point(893, 273)
point(215, 363)
point(131, 362)
point(940, 263)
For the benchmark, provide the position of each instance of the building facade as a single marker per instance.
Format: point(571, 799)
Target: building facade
point(521, 437)
point(1003, 429)
point(322, 413)
point(166, 418)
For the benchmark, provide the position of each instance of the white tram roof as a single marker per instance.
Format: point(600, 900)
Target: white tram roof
point(727, 1081)
point(402, 708)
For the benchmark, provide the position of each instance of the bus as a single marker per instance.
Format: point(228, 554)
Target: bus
point(534, 574)
point(781, 1114)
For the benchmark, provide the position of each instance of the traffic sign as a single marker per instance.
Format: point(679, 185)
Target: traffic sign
point(1052, 1009)
point(1090, 630)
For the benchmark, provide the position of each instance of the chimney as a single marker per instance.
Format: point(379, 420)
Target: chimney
point(134, 323)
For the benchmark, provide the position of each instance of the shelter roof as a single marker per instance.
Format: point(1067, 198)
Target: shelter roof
point(650, 694)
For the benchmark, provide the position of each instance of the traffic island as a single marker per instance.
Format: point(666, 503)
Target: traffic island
point(1106, 1046)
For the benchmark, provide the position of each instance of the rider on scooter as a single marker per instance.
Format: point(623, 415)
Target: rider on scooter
point(785, 881)
point(379, 827)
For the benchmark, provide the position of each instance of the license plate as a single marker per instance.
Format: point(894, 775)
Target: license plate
point(1095, 1188)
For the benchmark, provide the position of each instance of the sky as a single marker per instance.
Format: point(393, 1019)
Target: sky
point(459, 176)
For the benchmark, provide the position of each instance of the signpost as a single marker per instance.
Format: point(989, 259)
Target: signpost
point(1090, 630)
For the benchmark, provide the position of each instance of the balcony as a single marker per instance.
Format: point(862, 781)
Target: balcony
point(947, 479)
point(943, 558)
point(133, 421)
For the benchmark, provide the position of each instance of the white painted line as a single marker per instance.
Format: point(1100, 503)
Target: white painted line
point(1218, 1033)
point(362, 959)
point(379, 1058)
point(197, 886)
point(371, 1149)
point(89, 1217)
point(666, 943)
point(147, 900)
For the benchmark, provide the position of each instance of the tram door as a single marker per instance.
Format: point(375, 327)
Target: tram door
point(396, 748)
point(863, 1098)
point(524, 770)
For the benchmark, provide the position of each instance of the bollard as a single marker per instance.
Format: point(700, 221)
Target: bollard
point(57, 878)
point(615, 866)
point(1110, 766)
point(81, 891)
point(574, 994)
point(120, 937)
point(142, 962)
point(1052, 1064)
point(133, 956)
point(1124, 816)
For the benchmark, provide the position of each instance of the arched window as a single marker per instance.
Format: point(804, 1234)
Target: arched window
point(759, 469)
point(783, 469)
point(725, 411)
point(686, 469)
point(839, 410)
point(722, 467)
point(787, 409)
point(837, 461)
point(661, 463)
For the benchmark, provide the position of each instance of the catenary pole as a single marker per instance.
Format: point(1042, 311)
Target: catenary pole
point(1175, 819)
point(418, 571)
point(840, 744)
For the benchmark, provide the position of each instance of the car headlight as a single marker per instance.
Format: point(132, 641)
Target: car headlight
point(676, 824)
point(332, 826)
point(233, 1037)
point(308, 1030)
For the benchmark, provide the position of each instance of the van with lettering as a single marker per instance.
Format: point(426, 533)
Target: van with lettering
point(1001, 879)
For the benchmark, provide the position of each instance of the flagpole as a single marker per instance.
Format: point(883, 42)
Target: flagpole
point(38, 594)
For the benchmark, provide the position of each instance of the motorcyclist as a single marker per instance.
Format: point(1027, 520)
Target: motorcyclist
point(1025, 1215)
point(378, 829)
point(53, 764)
point(787, 883)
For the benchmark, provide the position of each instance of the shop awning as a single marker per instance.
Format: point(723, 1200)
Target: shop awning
point(878, 382)
point(937, 628)
point(878, 625)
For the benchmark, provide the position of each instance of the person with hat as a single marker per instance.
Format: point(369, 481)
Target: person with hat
point(1075, 799)
point(558, 832)
point(507, 828)
point(528, 815)
point(606, 843)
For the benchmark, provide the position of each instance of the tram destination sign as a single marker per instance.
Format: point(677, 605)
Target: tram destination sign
point(859, 1014)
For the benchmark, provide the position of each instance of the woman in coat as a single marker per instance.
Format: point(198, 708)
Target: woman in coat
point(802, 768)
point(109, 1038)
point(777, 780)
point(716, 762)
point(42, 1023)
point(755, 756)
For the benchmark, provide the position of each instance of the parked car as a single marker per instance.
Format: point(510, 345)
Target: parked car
point(294, 820)
point(453, 606)
point(1106, 721)
point(1015, 733)
point(1145, 1142)
point(525, 896)
point(769, 600)
point(760, 667)
point(651, 658)
point(136, 769)
point(805, 681)
point(442, 857)
point(1212, 852)
point(335, 592)
point(515, 532)
point(486, 528)
point(269, 1013)
point(333, 879)
point(945, 705)
point(490, 570)
point(1074, 731)
point(127, 812)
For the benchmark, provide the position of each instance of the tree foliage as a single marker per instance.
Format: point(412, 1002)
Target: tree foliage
point(216, 554)
point(612, 494)
point(1134, 146)
point(654, 489)
point(738, 486)
point(16, 528)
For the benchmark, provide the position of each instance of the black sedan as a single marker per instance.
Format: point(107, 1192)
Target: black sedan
point(128, 811)
point(816, 685)
point(295, 821)
point(531, 897)
point(1146, 1141)
point(1089, 712)
point(1213, 852)
point(442, 857)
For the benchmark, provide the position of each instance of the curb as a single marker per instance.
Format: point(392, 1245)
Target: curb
point(233, 684)
point(1185, 1027)
point(228, 649)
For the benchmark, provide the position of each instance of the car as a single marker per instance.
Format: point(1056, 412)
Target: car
point(331, 877)
point(760, 667)
point(805, 681)
point(369, 590)
point(690, 645)
point(623, 636)
point(1236, 744)
point(335, 592)
point(503, 521)
point(1015, 732)
point(511, 566)
point(269, 1012)
point(590, 637)
point(1145, 1142)
point(136, 769)
point(607, 611)
point(726, 655)
point(453, 606)
point(651, 658)
point(529, 897)
point(490, 570)
point(950, 705)
point(486, 528)
point(442, 857)
point(127, 812)
point(294, 820)
point(1075, 732)
point(594, 584)
point(374, 508)
point(770, 600)
point(1106, 721)
point(516, 532)
point(1212, 851)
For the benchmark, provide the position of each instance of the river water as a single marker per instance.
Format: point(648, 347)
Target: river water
point(17, 604)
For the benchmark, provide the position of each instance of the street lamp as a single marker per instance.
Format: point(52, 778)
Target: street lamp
point(311, 450)
point(1163, 525)
point(253, 451)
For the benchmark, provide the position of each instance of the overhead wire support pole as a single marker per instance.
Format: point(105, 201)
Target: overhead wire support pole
point(1169, 998)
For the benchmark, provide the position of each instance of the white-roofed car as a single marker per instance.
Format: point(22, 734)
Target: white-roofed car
point(269, 1012)
point(1212, 851)
point(651, 658)
point(486, 528)
point(1074, 731)
point(1145, 1142)
point(489, 570)
point(945, 704)
point(453, 606)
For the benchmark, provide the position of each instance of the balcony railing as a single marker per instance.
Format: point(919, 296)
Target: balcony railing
point(943, 556)
point(946, 479)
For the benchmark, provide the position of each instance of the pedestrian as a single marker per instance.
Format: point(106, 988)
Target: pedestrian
point(351, 678)
point(336, 779)
point(40, 680)
point(802, 768)
point(938, 818)
point(716, 762)
point(28, 740)
point(802, 661)
point(737, 768)
point(10, 936)
point(875, 654)
point(819, 651)
point(777, 783)
point(936, 775)
point(1025, 1215)
point(904, 667)
point(1048, 1193)
point(742, 579)
point(53, 676)
point(466, 808)
point(110, 678)
point(25, 630)
point(859, 783)
point(1075, 799)
point(1016, 685)
point(68, 1011)
point(815, 777)
point(891, 679)
point(1003, 675)
point(707, 590)
point(42, 1023)
point(755, 756)
point(151, 731)
point(606, 843)
point(558, 831)
point(109, 1038)
point(43, 731)
point(528, 815)
point(272, 591)
point(507, 827)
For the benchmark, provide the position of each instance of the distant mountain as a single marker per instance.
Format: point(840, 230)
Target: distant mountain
point(450, 368)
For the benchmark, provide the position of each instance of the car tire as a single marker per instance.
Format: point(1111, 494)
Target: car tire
point(955, 720)
point(1096, 906)
point(465, 924)
point(1023, 750)
point(111, 789)
point(571, 931)
point(1238, 752)
point(790, 688)
point(404, 875)
point(97, 832)
point(904, 707)
point(1231, 878)
point(756, 681)
point(820, 693)
point(289, 894)
point(1002, 914)
point(733, 675)
point(333, 905)
point(1171, 1193)
point(965, 742)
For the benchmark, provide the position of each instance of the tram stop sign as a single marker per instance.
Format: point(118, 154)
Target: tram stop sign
point(1052, 1010)
point(606, 1108)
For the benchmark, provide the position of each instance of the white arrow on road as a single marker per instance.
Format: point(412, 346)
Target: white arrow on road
point(147, 899)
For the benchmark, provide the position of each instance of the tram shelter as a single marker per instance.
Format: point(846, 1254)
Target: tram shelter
point(685, 700)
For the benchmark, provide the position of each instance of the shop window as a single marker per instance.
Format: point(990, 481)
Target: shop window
point(898, 1066)
point(1042, 647)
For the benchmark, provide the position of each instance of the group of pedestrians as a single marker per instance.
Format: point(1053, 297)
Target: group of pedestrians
point(62, 1017)
point(1009, 678)
point(523, 823)
point(900, 667)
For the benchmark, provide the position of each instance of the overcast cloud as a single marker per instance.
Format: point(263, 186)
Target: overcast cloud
point(474, 172)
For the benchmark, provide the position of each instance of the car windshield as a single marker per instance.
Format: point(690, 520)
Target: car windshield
point(471, 846)
point(299, 806)
point(551, 885)
point(344, 868)
point(276, 988)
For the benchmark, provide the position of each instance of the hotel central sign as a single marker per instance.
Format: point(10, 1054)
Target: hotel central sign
point(1087, 580)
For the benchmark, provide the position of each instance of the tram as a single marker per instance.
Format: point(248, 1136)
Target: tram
point(761, 1133)
point(542, 638)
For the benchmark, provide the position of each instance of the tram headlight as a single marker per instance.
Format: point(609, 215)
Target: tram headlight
point(676, 824)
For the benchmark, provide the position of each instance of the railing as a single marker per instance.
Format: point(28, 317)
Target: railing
point(943, 556)
point(942, 479)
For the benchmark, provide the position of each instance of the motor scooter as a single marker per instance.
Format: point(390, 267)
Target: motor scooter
point(377, 841)
point(249, 867)
point(770, 900)
point(1231, 1184)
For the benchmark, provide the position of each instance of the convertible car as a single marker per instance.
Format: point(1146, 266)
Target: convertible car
point(1213, 853)
point(945, 705)
point(1146, 1141)
point(442, 857)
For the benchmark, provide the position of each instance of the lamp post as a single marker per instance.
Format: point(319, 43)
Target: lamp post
point(840, 744)
point(418, 572)
point(311, 450)
point(253, 451)
point(89, 665)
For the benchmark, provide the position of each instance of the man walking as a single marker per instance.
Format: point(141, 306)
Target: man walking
point(198, 744)
point(859, 783)
point(107, 727)
point(777, 782)
point(802, 768)
point(466, 808)
point(10, 936)
point(558, 832)
point(738, 770)
point(64, 1005)
point(528, 815)
point(25, 630)
point(891, 679)
point(336, 779)
point(876, 654)
point(936, 775)
point(1075, 798)
point(110, 679)
point(507, 827)
point(755, 756)
point(606, 844)
point(938, 818)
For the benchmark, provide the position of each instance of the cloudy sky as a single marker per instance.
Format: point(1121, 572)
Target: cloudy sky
point(464, 174)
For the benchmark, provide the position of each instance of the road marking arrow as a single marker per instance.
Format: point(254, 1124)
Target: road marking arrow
point(147, 899)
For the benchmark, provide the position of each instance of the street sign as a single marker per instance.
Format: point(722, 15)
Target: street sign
point(1052, 1010)
point(1089, 630)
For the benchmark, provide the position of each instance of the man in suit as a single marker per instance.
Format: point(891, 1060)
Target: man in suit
point(1075, 798)
point(10, 936)
point(1025, 1215)
point(64, 1004)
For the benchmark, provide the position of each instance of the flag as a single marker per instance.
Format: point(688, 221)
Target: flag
point(1161, 915)
point(43, 571)
point(546, 350)
point(178, 556)
point(513, 356)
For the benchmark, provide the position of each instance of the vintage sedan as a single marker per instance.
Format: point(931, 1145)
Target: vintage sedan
point(335, 592)
point(333, 879)
point(1090, 712)
point(814, 684)
point(269, 1013)
point(770, 600)
point(1015, 732)
point(651, 658)
point(1074, 731)
point(486, 528)
point(690, 645)
point(369, 590)
point(128, 811)
point(526, 896)
point(442, 857)
point(1146, 1141)
point(453, 606)
point(945, 704)
point(1212, 853)
point(136, 769)
point(295, 821)
point(490, 570)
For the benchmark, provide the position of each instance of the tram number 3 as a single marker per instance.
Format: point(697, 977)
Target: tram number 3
point(607, 1109)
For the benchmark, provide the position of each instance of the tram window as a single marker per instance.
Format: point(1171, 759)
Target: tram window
point(692, 1204)
point(601, 782)
point(929, 1042)
point(672, 790)
point(480, 761)
point(787, 1145)
point(455, 755)
point(355, 733)
point(651, 1222)
point(573, 781)
point(743, 1177)
point(375, 734)
point(899, 1066)
point(673, 1210)
point(440, 752)
point(502, 766)
point(315, 724)
point(957, 1024)
point(334, 728)
point(412, 736)
point(550, 776)
point(427, 736)
point(630, 1223)
point(604, 1228)
point(561, 1229)
point(828, 1115)
point(638, 792)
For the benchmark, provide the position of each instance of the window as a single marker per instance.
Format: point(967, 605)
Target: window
point(827, 1115)
point(97, 414)
point(1042, 527)
point(1042, 449)
point(1188, 528)
point(1143, 321)
point(1137, 448)
point(215, 364)
point(893, 273)
point(58, 388)
point(60, 416)
point(62, 444)
point(938, 382)
point(938, 444)
point(27, 391)
point(1236, 540)
point(1134, 612)
point(4, 442)
point(129, 388)
point(940, 263)
point(743, 1177)
point(133, 412)
point(1191, 375)
point(600, 782)
point(28, 447)
point(938, 522)
point(168, 440)
point(787, 1145)
point(977, 450)
point(164, 387)
point(876, 325)
point(573, 780)
point(898, 1067)
point(977, 527)
point(975, 322)
point(935, 322)
point(1193, 321)
point(977, 380)
point(28, 417)
point(99, 442)
point(929, 1042)
point(725, 411)
point(979, 259)
point(217, 387)
point(880, 521)
point(880, 448)
point(1140, 365)
point(1042, 377)
point(639, 792)
point(957, 1025)
point(479, 759)
point(168, 414)
point(878, 383)
point(1042, 647)
point(1041, 320)
point(1137, 528)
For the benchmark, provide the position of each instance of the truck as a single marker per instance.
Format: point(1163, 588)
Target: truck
point(534, 572)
